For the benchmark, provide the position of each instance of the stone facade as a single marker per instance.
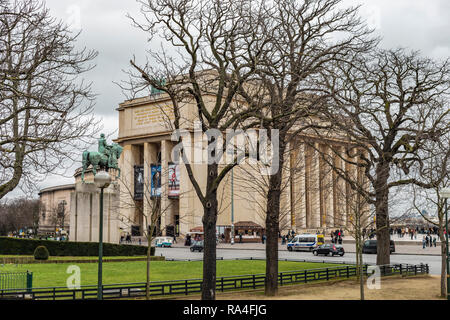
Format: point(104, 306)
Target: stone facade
point(85, 210)
point(53, 210)
point(314, 198)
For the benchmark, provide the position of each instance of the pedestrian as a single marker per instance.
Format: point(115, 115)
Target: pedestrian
point(423, 242)
point(187, 241)
point(140, 241)
point(174, 239)
point(434, 241)
point(240, 237)
point(283, 239)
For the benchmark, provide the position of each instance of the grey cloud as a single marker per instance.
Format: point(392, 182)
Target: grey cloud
point(419, 24)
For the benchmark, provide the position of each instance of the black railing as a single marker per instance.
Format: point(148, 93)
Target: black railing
point(185, 287)
point(16, 280)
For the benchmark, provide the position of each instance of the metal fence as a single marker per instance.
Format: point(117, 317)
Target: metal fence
point(16, 280)
point(185, 287)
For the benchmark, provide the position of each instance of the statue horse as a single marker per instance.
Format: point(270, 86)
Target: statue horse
point(100, 161)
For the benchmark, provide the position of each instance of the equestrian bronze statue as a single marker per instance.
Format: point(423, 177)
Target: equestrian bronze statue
point(105, 158)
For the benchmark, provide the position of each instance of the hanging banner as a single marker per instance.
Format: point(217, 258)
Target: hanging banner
point(156, 180)
point(138, 182)
point(174, 180)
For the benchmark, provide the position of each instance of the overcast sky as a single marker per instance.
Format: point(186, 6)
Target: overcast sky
point(419, 24)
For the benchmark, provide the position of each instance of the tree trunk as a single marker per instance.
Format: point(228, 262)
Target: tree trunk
point(147, 287)
point(272, 225)
point(358, 244)
point(209, 229)
point(443, 262)
point(382, 214)
point(361, 272)
point(272, 229)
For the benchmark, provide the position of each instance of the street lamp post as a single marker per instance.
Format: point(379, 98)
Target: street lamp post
point(232, 206)
point(445, 193)
point(102, 180)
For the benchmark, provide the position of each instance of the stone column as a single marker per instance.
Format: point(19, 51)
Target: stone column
point(366, 185)
point(186, 203)
point(321, 186)
point(351, 194)
point(286, 195)
point(129, 158)
point(301, 204)
point(328, 189)
point(150, 157)
point(167, 217)
point(85, 205)
point(315, 188)
point(339, 191)
point(308, 155)
point(312, 188)
point(294, 186)
point(73, 229)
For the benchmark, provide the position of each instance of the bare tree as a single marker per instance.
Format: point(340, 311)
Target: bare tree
point(307, 35)
point(56, 217)
point(20, 213)
point(217, 47)
point(435, 170)
point(150, 209)
point(390, 104)
point(360, 218)
point(45, 107)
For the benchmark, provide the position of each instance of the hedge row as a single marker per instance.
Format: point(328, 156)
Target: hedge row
point(16, 246)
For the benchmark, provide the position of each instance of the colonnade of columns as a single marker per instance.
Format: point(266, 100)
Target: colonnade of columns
point(317, 198)
point(134, 212)
point(320, 199)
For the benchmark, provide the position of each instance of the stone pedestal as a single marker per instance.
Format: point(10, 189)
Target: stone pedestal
point(85, 211)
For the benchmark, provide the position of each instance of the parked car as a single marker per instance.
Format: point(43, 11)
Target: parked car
point(197, 246)
point(164, 242)
point(370, 246)
point(329, 249)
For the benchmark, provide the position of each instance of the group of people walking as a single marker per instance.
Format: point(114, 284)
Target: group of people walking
point(336, 236)
point(125, 238)
point(429, 241)
point(402, 232)
point(288, 237)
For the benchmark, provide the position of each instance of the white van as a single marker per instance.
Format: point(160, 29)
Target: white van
point(306, 242)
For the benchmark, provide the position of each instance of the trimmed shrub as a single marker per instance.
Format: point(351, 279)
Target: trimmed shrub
point(17, 246)
point(41, 253)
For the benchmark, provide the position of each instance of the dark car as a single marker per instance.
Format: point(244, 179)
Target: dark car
point(370, 246)
point(197, 246)
point(329, 249)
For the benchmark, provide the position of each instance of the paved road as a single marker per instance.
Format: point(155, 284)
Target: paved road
point(433, 261)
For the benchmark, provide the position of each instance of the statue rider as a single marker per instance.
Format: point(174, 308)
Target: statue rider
point(105, 149)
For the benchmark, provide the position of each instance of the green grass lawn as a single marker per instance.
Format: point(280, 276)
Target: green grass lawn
point(78, 258)
point(54, 275)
